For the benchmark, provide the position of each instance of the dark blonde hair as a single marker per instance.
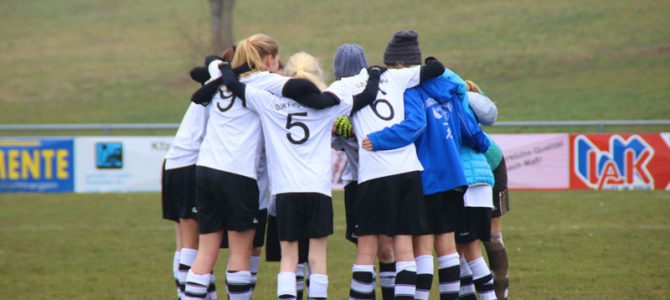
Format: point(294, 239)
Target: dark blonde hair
point(253, 50)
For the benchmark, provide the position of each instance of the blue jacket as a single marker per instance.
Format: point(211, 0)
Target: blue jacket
point(475, 164)
point(436, 122)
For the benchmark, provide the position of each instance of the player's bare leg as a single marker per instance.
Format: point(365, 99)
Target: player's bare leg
point(318, 279)
point(363, 270)
point(199, 277)
point(495, 249)
point(286, 288)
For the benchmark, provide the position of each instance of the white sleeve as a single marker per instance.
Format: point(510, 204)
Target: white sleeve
point(256, 97)
point(485, 110)
point(349, 86)
point(406, 77)
point(274, 83)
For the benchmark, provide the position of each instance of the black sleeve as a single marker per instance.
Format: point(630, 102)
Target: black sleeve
point(238, 89)
point(205, 93)
point(367, 96)
point(199, 74)
point(431, 69)
point(308, 94)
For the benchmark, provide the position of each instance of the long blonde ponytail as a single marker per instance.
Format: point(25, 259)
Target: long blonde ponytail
point(253, 50)
point(303, 65)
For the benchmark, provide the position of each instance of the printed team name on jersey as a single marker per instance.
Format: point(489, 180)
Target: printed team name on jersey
point(287, 105)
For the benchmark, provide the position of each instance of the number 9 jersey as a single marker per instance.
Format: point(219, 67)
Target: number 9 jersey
point(388, 109)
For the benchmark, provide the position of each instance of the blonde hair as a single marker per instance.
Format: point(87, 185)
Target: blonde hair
point(253, 50)
point(303, 65)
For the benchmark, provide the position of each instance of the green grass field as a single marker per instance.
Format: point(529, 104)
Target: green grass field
point(561, 245)
point(85, 61)
point(123, 61)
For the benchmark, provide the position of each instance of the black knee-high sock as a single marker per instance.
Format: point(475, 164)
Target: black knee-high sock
point(387, 279)
point(449, 276)
point(467, 291)
point(405, 280)
point(424, 276)
point(362, 282)
point(482, 278)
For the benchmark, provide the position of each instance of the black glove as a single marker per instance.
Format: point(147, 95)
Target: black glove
point(199, 74)
point(227, 75)
point(431, 60)
point(229, 79)
point(376, 71)
point(209, 59)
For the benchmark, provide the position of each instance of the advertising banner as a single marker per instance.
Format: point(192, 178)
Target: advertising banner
point(119, 164)
point(620, 161)
point(536, 161)
point(43, 165)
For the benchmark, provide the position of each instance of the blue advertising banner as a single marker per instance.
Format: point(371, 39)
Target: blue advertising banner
point(43, 165)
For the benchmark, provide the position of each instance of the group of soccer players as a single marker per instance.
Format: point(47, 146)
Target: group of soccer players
point(256, 140)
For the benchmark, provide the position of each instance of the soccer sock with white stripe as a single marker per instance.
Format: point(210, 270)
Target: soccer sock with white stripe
point(238, 284)
point(254, 264)
point(467, 291)
point(186, 258)
point(424, 276)
point(482, 278)
point(362, 282)
point(211, 289)
point(286, 285)
point(300, 280)
point(196, 286)
point(449, 276)
point(495, 249)
point(387, 279)
point(405, 280)
point(175, 271)
point(318, 286)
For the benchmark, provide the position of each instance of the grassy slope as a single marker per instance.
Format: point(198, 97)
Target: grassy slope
point(82, 61)
point(562, 245)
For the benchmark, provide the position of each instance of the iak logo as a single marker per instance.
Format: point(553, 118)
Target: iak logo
point(622, 166)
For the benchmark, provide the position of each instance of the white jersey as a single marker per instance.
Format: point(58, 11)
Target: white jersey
point(234, 139)
point(186, 144)
point(388, 109)
point(298, 141)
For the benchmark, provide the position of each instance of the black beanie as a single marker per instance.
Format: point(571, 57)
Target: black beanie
point(403, 48)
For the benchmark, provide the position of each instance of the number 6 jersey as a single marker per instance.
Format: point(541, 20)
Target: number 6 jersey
point(388, 109)
point(297, 141)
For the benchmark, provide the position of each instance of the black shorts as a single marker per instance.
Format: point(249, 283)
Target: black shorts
point(259, 236)
point(304, 216)
point(391, 205)
point(349, 203)
point(178, 193)
point(441, 211)
point(500, 192)
point(225, 201)
point(473, 223)
point(273, 249)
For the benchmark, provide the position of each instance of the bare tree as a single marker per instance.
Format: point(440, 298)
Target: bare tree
point(222, 24)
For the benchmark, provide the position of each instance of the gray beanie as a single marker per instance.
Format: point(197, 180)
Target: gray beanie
point(403, 48)
point(349, 60)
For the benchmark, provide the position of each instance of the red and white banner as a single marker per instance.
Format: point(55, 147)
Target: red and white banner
point(620, 161)
point(536, 161)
